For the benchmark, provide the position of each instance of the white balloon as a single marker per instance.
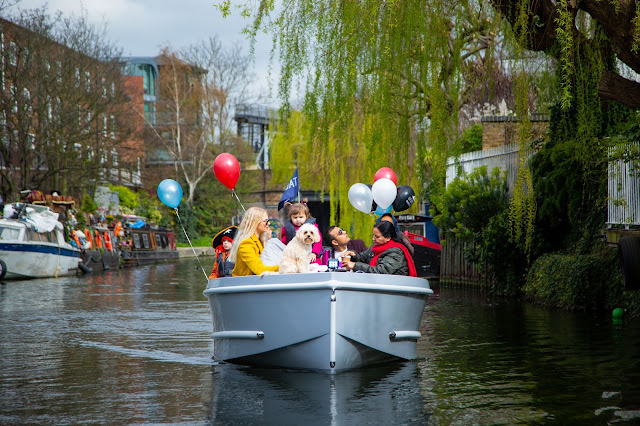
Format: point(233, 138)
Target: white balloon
point(360, 197)
point(384, 192)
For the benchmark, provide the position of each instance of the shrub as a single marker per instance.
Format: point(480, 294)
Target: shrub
point(576, 281)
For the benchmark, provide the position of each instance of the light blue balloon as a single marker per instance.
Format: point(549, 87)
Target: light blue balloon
point(170, 193)
point(380, 211)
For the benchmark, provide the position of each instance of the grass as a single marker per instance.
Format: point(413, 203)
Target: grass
point(200, 242)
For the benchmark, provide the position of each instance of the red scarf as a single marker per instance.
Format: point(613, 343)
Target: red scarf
point(378, 250)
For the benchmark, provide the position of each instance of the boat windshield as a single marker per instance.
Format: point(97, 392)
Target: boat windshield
point(9, 233)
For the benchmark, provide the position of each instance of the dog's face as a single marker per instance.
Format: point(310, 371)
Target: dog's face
point(308, 234)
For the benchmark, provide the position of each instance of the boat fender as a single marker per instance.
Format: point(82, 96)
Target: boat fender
point(107, 241)
point(84, 268)
point(3, 269)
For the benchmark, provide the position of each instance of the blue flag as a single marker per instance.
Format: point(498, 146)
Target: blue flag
point(291, 192)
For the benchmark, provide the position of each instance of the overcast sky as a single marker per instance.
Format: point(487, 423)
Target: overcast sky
point(141, 27)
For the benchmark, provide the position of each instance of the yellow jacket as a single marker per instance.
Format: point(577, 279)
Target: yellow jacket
point(248, 259)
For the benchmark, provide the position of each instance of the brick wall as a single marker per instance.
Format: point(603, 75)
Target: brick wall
point(503, 130)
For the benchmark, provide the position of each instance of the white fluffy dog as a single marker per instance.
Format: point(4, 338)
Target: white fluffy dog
point(297, 255)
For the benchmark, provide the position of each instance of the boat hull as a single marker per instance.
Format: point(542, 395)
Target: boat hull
point(26, 260)
point(318, 321)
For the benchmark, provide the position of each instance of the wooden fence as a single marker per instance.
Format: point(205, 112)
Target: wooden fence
point(453, 265)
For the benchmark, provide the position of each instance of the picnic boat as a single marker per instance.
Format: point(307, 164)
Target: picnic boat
point(33, 245)
point(323, 321)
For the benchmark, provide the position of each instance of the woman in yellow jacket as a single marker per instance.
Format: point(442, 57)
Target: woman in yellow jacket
point(253, 232)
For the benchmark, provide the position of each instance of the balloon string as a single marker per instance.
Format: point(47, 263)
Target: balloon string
point(233, 191)
point(194, 250)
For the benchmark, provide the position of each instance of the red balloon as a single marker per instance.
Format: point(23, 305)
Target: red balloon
point(227, 169)
point(386, 172)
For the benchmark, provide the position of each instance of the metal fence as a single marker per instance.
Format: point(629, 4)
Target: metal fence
point(623, 204)
point(506, 157)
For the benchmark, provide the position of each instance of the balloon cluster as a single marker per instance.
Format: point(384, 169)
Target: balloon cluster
point(383, 195)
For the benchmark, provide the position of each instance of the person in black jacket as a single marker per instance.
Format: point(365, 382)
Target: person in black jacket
point(387, 255)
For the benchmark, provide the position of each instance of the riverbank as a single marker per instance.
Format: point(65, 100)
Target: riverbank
point(187, 252)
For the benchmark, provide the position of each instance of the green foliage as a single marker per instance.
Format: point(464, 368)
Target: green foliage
point(471, 139)
point(499, 258)
point(577, 281)
point(468, 203)
point(88, 205)
point(148, 207)
point(128, 198)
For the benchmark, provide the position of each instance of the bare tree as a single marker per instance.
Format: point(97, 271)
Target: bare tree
point(64, 110)
point(197, 91)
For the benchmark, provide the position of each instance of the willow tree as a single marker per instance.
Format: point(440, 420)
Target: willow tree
point(383, 87)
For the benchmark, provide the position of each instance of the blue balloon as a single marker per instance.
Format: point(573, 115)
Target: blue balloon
point(170, 193)
point(380, 211)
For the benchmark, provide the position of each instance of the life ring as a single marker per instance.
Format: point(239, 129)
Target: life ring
point(107, 241)
point(88, 235)
point(76, 239)
point(98, 239)
point(117, 229)
point(3, 269)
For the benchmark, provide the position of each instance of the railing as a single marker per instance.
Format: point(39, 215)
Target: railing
point(505, 157)
point(623, 203)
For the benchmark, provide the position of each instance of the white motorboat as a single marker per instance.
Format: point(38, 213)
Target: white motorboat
point(32, 244)
point(324, 321)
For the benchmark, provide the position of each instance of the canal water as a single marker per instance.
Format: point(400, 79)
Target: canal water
point(132, 347)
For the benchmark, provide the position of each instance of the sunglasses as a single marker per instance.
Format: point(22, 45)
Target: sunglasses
point(266, 222)
point(341, 231)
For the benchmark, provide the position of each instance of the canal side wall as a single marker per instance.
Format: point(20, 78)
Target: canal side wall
point(185, 252)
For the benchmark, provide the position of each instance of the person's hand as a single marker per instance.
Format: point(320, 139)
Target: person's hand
point(350, 253)
point(348, 265)
point(313, 257)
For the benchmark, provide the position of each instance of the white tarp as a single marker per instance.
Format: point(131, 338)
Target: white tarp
point(45, 221)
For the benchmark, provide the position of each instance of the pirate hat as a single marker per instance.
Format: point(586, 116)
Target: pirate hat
point(229, 232)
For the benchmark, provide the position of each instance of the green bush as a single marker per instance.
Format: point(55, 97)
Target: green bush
point(501, 260)
point(577, 281)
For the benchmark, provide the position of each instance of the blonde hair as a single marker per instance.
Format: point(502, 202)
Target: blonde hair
point(298, 208)
point(252, 218)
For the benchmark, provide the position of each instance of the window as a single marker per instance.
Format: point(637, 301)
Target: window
point(32, 235)
point(59, 71)
point(104, 88)
point(87, 80)
point(113, 132)
point(77, 77)
point(13, 55)
point(7, 233)
point(145, 241)
point(114, 158)
point(104, 126)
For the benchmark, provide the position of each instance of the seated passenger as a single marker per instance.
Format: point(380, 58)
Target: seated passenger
point(252, 233)
point(341, 243)
point(387, 255)
point(404, 240)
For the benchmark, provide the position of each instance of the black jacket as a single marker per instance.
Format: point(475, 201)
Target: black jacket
point(390, 261)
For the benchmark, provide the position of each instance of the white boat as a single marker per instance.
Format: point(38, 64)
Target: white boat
point(324, 321)
point(32, 244)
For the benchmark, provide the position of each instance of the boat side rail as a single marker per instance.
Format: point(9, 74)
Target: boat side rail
point(318, 286)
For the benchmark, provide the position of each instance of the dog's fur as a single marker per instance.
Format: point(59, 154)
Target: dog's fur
point(297, 255)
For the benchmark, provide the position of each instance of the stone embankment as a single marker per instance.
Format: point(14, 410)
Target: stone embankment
point(185, 252)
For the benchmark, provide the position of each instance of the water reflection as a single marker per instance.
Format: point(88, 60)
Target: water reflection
point(134, 346)
point(385, 394)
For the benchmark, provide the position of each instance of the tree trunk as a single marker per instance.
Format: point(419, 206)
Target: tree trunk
point(613, 87)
